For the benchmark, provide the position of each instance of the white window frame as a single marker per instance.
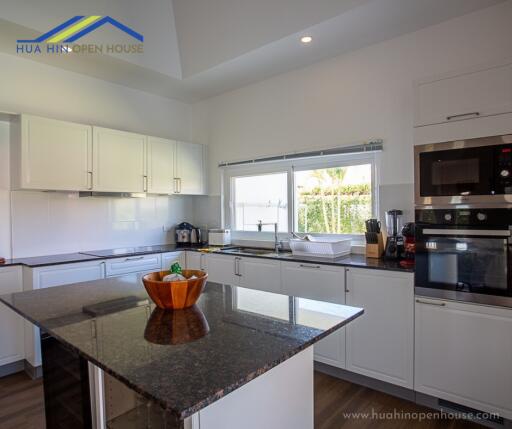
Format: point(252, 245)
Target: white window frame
point(290, 166)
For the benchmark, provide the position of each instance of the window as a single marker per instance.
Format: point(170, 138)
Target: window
point(328, 195)
point(262, 198)
point(334, 200)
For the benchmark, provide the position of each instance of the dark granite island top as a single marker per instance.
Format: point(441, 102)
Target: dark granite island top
point(183, 361)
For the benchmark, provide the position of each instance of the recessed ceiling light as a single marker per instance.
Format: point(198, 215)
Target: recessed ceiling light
point(306, 39)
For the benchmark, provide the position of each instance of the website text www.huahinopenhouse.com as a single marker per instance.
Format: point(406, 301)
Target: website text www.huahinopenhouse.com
point(419, 416)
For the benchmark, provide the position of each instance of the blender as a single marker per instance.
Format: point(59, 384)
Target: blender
point(395, 241)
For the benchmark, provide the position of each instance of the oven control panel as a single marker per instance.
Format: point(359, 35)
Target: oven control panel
point(504, 169)
point(489, 218)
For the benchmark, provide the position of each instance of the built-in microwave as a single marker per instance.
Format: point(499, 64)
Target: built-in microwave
point(464, 172)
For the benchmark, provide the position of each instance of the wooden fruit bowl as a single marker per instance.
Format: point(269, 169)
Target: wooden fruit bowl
point(175, 295)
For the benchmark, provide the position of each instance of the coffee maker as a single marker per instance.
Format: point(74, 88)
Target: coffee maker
point(395, 241)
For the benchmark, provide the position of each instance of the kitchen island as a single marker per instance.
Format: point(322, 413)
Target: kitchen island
point(238, 358)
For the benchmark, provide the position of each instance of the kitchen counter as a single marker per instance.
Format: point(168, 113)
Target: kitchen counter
point(231, 337)
point(353, 260)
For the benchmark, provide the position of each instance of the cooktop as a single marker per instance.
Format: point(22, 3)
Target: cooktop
point(141, 250)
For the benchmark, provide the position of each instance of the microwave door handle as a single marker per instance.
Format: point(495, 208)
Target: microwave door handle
point(502, 233)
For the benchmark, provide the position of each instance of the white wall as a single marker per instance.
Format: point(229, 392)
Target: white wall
point(5, 207)
point(31, 87)
point(365, 94)
point(49, 223)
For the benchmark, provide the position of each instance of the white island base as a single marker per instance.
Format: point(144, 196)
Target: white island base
point(281, 398)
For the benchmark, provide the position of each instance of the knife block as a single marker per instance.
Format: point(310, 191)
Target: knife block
point(375, 250)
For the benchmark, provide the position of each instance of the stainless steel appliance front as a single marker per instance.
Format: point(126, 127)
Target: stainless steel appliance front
point(464, 255)
point(473, 171)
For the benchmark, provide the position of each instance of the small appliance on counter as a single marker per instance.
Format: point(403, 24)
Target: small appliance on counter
point(187, 234)
point(374, 239)
point(219, 237)
point(2, 260)
point(408, 232)
point(395, 241)
point(183, 232)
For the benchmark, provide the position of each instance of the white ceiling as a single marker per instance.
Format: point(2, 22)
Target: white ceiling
point(194, 49)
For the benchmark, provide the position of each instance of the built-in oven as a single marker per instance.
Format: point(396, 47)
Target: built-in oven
point(465, 255)
point(464, 172)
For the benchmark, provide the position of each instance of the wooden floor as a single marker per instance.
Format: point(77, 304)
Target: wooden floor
point(21, 406)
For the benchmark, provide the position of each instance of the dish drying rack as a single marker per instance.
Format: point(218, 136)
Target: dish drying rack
point(320, 247)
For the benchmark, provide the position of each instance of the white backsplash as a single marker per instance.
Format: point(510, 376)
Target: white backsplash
point(45, 223)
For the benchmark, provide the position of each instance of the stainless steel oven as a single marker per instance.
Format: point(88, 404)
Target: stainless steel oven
point(465, 255)
point(464, 172)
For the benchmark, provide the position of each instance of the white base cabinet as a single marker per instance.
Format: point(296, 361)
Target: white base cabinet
point(380, 344)
point(171, 257)
point(261, 274)
point(251, 273)
point(463, 354)
point(323, 283)
point(197, 261)
point(12, 347)
point(55, 275)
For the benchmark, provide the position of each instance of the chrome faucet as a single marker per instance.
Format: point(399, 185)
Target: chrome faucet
point(278, 245)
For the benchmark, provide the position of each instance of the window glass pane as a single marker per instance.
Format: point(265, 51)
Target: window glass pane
point(261, 198)
point(333, 200)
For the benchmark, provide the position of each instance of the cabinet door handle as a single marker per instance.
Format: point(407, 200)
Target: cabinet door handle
point(89, 180)
point(449, 118)
point(346, 277)
point(145, 183)
point(235, 266)
point(437, 304)
point(179, 183)
point(137, 258)
point(316, 267)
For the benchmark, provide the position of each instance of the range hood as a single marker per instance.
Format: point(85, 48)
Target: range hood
point(84, 194)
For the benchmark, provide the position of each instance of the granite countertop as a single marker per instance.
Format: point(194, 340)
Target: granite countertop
point(353, 260)
point(230, 337)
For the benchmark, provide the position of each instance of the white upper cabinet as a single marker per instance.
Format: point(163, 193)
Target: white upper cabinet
point(474, 94)
point(51, 155)
point(463, 354)
point(380, 343)
point(189, 168)
point(119, 161)
point(161, 164)
point(47, 154)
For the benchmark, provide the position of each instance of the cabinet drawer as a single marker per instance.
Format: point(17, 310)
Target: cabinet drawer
point(59, 275)
point(314, 281)
point(133, 264)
